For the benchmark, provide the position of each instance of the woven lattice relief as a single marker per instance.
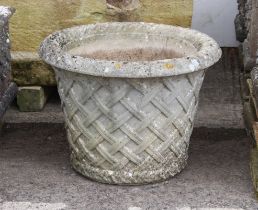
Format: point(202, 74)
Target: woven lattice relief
point(129, 125)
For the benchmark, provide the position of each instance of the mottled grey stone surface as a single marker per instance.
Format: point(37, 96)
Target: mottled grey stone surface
point(202, 50)
point(129, 111)
point(5, 56)
point(246, 32)
point(242, 20)
point(7, 89)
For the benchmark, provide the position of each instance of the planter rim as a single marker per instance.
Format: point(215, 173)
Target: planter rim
point(52, 52)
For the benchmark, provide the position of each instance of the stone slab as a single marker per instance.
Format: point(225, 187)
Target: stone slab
point(29, 69)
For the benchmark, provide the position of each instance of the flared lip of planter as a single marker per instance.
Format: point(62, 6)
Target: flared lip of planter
point(52, 51)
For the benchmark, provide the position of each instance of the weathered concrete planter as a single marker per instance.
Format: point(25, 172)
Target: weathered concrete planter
point(130, 93)
point(7, 88)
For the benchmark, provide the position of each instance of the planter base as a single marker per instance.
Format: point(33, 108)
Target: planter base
point(169, 169)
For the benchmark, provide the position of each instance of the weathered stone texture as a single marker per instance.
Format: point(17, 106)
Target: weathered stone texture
point(247, 32)
point(4, 51)
point(117, 113)
point(29, 69)
point(249, 37)
point(7, 89)
point(32, 98)
point(242, 21)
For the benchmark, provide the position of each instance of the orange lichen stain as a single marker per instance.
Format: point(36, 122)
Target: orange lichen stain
point(118, 66)
point(169, 66)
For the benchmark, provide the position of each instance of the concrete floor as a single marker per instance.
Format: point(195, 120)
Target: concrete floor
point(34, 163)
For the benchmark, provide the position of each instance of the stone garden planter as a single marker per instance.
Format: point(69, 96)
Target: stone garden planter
point(129, 95)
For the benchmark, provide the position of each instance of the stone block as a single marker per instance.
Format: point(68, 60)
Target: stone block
point(29, 69)
point(31, 99)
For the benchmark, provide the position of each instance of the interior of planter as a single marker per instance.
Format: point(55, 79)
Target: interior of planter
point(132, 47)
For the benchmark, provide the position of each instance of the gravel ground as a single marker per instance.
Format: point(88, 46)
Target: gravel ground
point(35, 174)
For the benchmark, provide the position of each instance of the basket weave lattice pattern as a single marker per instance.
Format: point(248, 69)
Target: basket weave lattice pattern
point(129, 131)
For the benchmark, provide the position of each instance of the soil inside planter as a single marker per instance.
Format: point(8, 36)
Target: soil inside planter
point(140, 54)
point(119, 50)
